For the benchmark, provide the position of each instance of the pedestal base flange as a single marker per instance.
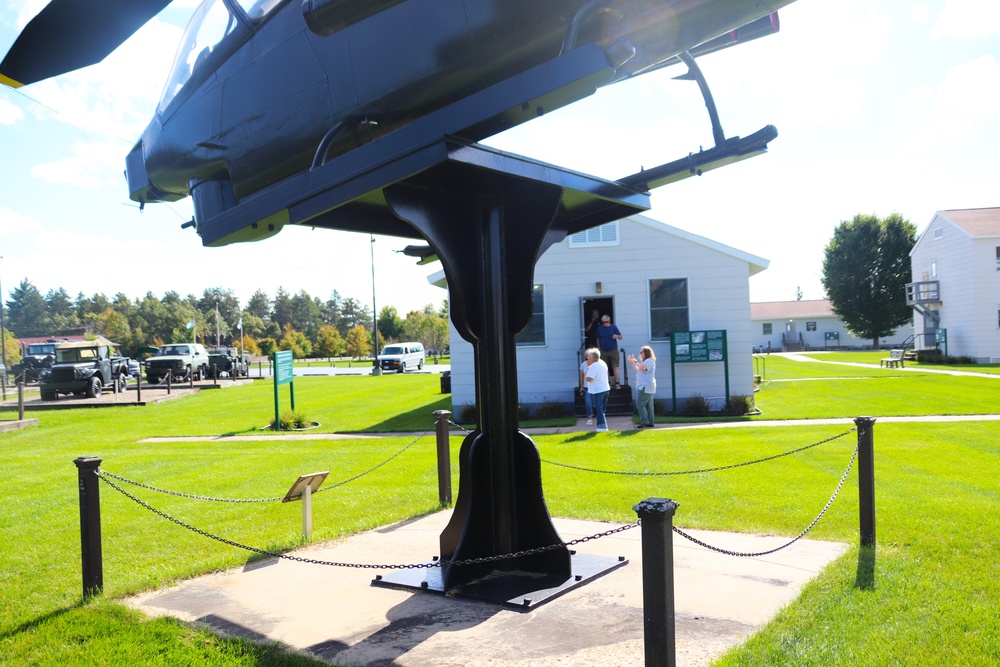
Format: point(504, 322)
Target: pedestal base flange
point(585, 568)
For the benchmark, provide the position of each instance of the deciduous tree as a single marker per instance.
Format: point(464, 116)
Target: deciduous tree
point(866, 266)
point(359, 342)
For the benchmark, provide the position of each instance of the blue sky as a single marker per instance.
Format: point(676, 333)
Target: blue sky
point(880, 107)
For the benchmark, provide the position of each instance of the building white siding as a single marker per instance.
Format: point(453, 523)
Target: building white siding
point(718, 298)
point(965, 266)
point(812, 321)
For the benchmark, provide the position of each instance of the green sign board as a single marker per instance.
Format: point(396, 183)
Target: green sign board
point(282, 375)
point(687, 347)
point(283, 367)
point(832, 335)
point(696, 346)
point(940, 336)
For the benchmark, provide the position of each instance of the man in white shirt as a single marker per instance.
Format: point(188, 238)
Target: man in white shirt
point(598, 386)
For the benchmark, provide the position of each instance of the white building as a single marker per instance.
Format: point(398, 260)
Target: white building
point(651, 279)
point(956, 283)
point(808, 325)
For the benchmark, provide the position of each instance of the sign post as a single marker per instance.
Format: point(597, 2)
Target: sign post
point(282, 375)
point(941, 338)
point(302, 490)
point(687, 347)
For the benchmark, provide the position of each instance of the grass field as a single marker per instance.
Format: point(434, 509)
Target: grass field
point(927, 595)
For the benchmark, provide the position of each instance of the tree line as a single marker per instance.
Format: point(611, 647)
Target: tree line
point(304, 324)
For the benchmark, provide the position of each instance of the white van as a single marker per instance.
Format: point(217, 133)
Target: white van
point(401, 357)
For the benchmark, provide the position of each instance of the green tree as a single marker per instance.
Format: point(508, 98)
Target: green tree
point(390, 324)
point(259, 305)
point(267, 346)
point(11, 349)
point(328, 342)
point(295, 341)
point(115, 327)
point(358, 342)
point(866, 266)
point(26, 312)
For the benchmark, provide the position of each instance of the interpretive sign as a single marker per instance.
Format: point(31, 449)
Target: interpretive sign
point(694, 346)
point(282, 375)
point(688, 347)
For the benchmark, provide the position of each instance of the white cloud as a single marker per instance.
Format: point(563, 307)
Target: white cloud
point(92, 165)
point(12, 222)
point(971, 90)
point(968, 18)
point(9, 114)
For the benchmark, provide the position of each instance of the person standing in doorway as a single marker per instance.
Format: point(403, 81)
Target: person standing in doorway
point(597, 385)
point(608, 336)
point(588, 401)
point(590, 332)
point(645, 384)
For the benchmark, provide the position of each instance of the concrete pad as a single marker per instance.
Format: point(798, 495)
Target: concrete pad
point(335, 614)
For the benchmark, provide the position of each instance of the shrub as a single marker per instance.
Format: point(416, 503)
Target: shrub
point(523, 412)
point(696, 406)
point(551, 410)
point(662, 406)
point(737, 405)
point(291, 420)
point(467, 414)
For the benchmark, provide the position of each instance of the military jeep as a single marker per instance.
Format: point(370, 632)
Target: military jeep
point(83, 368)
point(36, 359)
point(228, 361)
point(181, 360)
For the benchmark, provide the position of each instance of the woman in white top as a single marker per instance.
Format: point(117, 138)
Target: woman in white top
point(645, 384)
point(598, 386)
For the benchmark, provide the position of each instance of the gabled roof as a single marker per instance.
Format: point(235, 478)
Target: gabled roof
point(975, 221)
point(787, 310)
point(756, 264)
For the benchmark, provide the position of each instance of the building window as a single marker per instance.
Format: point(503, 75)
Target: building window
point(998, 258)
point(595, 237)
point(939, 232)
point(934, 269)
point(534, 333)
point(767, 328)
point(668, 307)
point(810, 326)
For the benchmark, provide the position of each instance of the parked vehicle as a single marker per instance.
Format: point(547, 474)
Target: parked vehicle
point(228, 361)
point(402, 356)
point(37, 358)
point(84, 368)
point(180, 359)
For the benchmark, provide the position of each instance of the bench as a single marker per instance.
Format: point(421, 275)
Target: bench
point(894, 360)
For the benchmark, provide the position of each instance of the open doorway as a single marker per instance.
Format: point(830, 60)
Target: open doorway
point(603, 305)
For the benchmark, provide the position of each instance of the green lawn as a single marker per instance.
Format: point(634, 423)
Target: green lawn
point(930, 599)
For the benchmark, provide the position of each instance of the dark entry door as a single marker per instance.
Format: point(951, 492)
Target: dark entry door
point(604, 305)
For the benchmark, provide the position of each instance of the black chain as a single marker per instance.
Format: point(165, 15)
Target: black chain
point(328, 487)
point(787, 544)
point(364, 566)
point(702, 470)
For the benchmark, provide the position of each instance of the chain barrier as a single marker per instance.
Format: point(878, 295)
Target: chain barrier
point(329, 487)
point(103, 476)
point(843, 478)
point(459, 426)
point(702, 470)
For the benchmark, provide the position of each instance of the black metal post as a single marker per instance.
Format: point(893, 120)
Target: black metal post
point(215, 374)
point(20, 397)
point(656, 516)
point(866, 479)
point(170, 380)
point(443, 456)
point(138, 385)
point(90, 525)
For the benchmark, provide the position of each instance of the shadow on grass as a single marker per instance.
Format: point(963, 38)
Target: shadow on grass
point(417, 419)
point(38, 620)
point(865, 578)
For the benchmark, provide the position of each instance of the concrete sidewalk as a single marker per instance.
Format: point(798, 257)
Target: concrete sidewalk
point(335, 614)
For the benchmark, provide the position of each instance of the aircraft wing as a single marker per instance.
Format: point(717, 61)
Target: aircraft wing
point(65, 36)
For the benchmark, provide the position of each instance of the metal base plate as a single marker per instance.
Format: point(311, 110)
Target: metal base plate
point(585, 568)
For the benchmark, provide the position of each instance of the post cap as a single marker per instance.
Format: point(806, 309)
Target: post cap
point(664, 506)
